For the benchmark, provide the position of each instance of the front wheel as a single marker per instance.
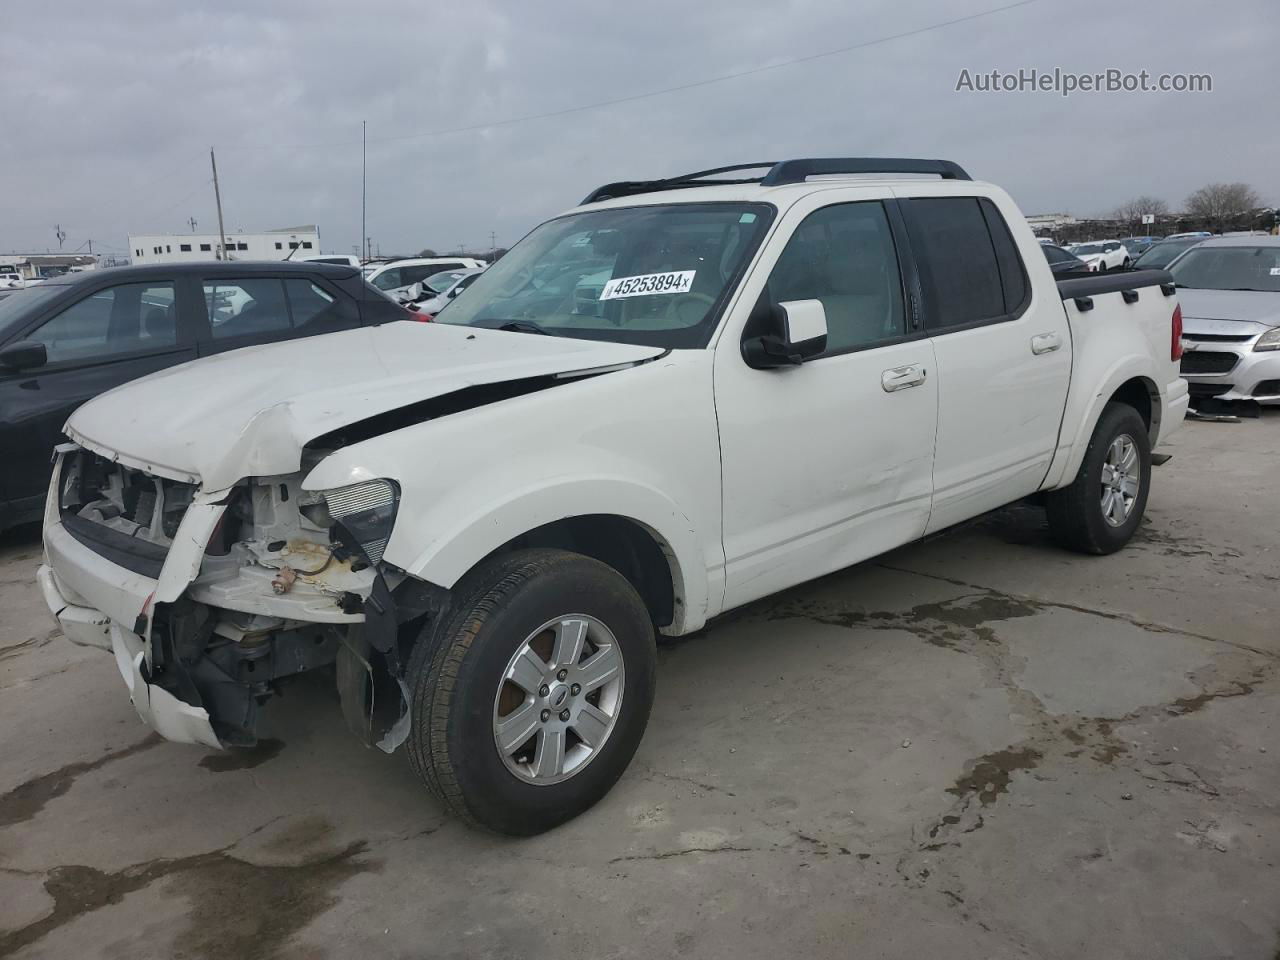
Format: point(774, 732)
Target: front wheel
point(530, 700)
point(1102, 508)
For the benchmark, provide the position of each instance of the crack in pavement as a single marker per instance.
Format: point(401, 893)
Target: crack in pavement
point(649, 773)
point(1151, 625)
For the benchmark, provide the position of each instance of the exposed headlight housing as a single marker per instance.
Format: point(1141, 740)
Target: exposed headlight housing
point(1269, 340)
point(367, 511)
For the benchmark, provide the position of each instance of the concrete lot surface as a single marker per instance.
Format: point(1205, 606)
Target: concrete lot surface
point(978, 746)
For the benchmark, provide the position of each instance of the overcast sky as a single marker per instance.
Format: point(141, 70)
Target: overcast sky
point(110, 108)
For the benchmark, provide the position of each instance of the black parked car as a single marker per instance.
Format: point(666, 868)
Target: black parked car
point(1163, 252)
point(1062, 262)
point(73, 337)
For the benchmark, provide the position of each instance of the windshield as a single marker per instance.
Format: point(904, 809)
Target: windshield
point(19, 304)
point(1161, 254)
point(1083, 249)
point(649, 274)
point(1230, 268)
point(441, 282)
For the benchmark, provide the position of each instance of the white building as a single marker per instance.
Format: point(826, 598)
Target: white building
point(184, 247)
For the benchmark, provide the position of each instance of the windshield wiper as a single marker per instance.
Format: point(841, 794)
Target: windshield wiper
point(525, 326)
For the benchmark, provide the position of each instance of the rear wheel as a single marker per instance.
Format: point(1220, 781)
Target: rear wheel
point(530, 700)
point(1103, 507)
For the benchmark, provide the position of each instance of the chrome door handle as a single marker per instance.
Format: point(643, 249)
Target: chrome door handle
point(899, 378)
point(1045, 343)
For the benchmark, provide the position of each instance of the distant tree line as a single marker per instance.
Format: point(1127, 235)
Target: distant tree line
point(1217, 207)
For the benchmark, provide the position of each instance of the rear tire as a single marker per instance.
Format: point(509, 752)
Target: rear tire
point(1102, 508)
point(525, 648)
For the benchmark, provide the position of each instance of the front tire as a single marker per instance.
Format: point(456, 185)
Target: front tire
point(531, 697)
point(1102, 508)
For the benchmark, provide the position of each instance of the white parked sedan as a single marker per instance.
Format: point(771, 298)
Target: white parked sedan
point(1102, 255)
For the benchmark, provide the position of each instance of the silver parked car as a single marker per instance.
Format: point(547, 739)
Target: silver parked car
point(1230, 297)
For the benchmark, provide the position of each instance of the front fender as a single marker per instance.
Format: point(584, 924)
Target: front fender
point(460, 537)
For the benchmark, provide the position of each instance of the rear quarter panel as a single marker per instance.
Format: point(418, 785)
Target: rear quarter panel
point(1111, 344)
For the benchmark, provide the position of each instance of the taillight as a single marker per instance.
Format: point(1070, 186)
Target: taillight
point(1175, 344)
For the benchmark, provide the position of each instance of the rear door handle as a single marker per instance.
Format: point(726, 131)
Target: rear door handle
point(1045, 343)
point(899, 378)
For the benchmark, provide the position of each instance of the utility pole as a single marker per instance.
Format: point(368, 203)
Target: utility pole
point(364, 167)
point(192, 221)
point(493, 245)
point(61, 235)
point(217, 198)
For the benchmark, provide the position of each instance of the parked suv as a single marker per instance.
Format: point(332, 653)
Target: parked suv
point(672, 400)
point(395, 277)
point(74, 336)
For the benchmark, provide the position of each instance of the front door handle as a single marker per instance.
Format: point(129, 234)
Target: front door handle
point(1045, 343)
point(899, 378)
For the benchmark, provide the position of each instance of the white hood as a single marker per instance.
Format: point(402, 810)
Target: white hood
point(250, 412)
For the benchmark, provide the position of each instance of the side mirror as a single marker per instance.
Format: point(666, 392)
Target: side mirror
point(24, 355)
point(801, 335)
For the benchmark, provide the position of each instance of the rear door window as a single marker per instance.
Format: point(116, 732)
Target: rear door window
point(125, 319)
point(254, 305)
point(312, 308)
point(959, 264)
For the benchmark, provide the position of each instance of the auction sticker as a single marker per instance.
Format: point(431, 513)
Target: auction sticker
point(648, 284)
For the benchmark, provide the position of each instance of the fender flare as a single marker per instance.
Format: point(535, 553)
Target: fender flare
point(1071, 454)
point(464, 538)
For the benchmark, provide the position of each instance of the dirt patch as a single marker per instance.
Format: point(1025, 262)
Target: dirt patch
point(243, 758)
point(27, 799)
point(238, 911)
point(989, 775)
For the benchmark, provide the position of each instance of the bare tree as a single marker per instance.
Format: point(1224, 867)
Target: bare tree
point(1221, 203)
point(427, 253)
point(1130, 212)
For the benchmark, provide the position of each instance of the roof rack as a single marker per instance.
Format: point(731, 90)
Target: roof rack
point(786, 171)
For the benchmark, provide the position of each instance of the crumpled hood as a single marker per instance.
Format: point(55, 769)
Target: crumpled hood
point(1252, 311)
point(250, 412)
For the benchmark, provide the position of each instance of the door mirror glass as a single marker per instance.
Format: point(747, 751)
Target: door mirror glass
point(24, 355)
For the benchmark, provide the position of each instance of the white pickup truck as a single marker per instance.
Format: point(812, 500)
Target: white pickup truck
point(678, 397)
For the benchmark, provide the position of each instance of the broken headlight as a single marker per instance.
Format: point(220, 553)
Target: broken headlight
point(366, 511)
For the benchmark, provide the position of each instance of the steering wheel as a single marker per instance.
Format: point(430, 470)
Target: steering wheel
point(678, 309)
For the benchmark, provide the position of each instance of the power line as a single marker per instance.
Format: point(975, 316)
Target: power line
point(663, 91)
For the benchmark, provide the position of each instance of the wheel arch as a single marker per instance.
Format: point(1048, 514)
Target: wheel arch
point(632, 529)
point(1127, 382)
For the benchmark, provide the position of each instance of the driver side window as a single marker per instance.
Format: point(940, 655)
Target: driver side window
point(844, 256)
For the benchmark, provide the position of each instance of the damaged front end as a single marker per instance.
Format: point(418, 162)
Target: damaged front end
point(269, 583)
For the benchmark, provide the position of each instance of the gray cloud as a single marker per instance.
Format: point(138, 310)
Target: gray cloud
point(111, 109)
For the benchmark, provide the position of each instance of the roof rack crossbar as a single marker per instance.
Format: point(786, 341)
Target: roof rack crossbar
point(797, 171)
point(786, 171)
